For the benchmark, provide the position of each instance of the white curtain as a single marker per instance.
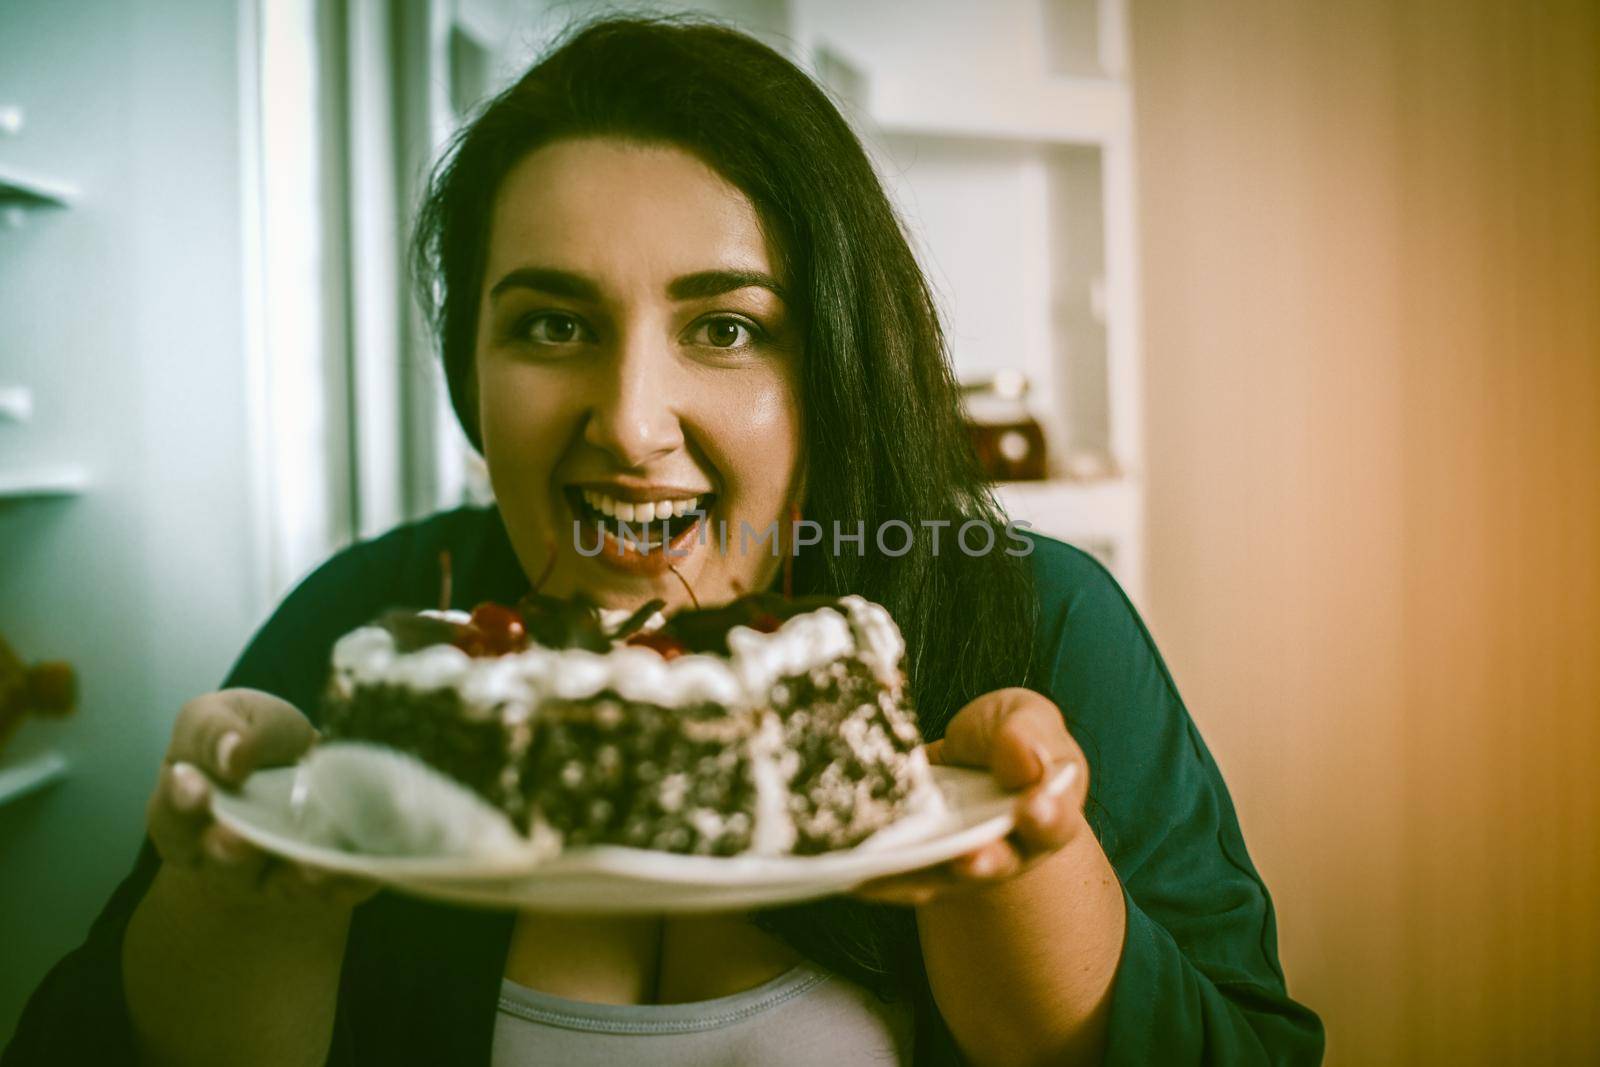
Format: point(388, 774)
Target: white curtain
point(347, 104)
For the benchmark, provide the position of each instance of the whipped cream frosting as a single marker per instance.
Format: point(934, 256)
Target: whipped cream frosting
point(512, 684)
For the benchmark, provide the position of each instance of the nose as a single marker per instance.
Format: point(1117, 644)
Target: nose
point(634, 415)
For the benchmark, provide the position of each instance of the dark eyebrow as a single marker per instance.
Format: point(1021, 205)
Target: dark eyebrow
point(543, 279)
point(716, 282)
point(697, 286)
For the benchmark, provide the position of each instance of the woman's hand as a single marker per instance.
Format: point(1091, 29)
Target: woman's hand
point(232, 956)
point(1021, 737)
point(218, 740)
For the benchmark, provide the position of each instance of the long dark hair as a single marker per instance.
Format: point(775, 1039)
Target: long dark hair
point(883, 439)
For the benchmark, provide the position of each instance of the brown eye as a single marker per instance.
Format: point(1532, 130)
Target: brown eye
point(726, 333)
point(554, 328)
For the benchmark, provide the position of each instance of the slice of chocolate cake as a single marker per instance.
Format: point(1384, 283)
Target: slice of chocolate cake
point(765, 726)
point(846, 749)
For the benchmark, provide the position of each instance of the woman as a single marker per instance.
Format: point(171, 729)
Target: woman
point(660, 267)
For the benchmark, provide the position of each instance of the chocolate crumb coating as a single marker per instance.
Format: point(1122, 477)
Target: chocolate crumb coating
point(610, 771)
point(482, 751)
point(852, 739)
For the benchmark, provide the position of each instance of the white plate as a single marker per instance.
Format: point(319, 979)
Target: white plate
point(613, 879)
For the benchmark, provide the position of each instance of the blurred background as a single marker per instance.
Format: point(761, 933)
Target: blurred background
point(1287, 310)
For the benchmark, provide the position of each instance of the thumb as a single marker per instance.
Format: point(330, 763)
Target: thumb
point(1008, 731)
point(273, 733)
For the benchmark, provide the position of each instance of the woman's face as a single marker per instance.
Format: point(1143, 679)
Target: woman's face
point(636, 361)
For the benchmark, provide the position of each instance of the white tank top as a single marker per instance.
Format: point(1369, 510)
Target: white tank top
point(804, 1017)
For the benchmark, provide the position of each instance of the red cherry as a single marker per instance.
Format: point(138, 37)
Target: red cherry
point(471, 642)
point(494, 631)
point(665, 645)
point(497, 618)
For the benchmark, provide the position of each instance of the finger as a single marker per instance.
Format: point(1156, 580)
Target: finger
point(178, 811)
point(230, 733)
point(997, 730)
point(202, 734)
point(307, 884)
point(897, 896)
point(990, 864)
point(967, 740)
point(1050, 815)
point(279, 736)
point(338, 889)
point(1029, 743)
point(232, 857)
point(903, 890)
point(993, 861)
point(287, 881)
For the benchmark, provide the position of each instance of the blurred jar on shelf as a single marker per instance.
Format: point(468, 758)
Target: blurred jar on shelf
point(45, 689)
point(1008, 440)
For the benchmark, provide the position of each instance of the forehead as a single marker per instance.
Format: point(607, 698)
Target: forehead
point(622, 212)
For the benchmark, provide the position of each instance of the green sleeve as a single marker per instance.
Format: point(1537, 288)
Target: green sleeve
point(1199, 980)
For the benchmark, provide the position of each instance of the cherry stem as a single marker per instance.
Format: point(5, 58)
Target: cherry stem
point(444, 580)
point(687, 588)
point(788, 556)
point(550, 564)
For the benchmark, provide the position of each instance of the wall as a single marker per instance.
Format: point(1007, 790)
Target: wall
point(125, 315)
point(1371, 249)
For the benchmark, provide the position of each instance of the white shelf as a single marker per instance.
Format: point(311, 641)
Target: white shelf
point(19, 188)
point(18, 779)
point(1101, 510)
point(43, 482)
point(1106, 518)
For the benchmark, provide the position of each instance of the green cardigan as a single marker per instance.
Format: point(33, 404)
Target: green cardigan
point(1199, 980)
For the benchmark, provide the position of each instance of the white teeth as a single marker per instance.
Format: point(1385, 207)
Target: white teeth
point(648, 512)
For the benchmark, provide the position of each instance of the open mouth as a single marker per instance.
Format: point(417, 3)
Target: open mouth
point(644, 527)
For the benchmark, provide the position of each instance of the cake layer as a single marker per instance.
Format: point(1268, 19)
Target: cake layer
point(617, 772)
point(856, 768)
point(485, 753)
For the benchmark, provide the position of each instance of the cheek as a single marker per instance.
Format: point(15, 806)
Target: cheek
point(523, 430)
point(752, 432)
